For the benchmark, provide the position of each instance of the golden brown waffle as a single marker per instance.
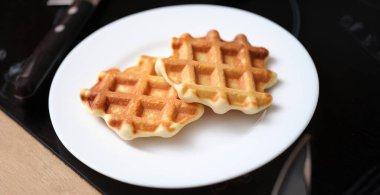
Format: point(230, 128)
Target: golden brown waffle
point(222, 75)
point(139, 103)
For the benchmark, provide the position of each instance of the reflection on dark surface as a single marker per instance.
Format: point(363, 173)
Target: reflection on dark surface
point(343, 40)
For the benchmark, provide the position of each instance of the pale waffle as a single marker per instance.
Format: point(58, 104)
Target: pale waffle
point(222, 75)
point(139, 103)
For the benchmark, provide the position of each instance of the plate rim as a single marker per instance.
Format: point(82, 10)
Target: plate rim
point(217, 180)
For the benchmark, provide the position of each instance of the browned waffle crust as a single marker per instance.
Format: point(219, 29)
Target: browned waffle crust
point(222, 75)
point(139, 103)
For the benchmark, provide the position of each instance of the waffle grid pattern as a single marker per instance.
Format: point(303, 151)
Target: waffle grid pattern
point(139, 103)
point(222, 75)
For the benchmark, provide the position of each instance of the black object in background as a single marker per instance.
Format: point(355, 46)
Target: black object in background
point(341, 36)
point(23, 79)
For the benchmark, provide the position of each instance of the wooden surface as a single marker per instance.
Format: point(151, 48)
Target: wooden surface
point(27, 167)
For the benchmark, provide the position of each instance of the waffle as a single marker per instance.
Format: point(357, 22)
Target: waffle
point(222, 75)
point(139, 103)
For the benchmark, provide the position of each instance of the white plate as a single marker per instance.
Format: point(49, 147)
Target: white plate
point(213, 149)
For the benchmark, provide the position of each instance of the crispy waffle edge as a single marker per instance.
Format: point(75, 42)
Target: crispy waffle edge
point(126, 130)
